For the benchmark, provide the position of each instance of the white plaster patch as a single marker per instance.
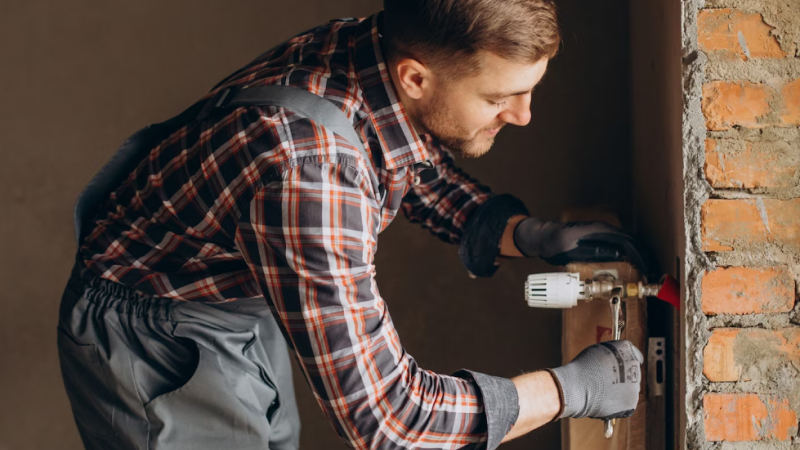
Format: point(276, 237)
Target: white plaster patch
point(743, 44)
point(762, 211)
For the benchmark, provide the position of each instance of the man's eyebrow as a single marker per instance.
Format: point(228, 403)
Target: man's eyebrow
point(506, 94)
point(512, 94)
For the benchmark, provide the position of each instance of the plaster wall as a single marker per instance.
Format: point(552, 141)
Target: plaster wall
point(762, 52)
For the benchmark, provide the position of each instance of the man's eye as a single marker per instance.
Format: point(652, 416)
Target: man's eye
point(498, 104)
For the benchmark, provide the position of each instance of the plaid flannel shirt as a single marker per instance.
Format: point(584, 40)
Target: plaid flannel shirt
point(262, 202)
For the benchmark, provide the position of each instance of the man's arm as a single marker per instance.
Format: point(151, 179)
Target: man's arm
point(539, 402)
point(460, 210)
point(309, 238)
point(445, 197)
point(507, 246)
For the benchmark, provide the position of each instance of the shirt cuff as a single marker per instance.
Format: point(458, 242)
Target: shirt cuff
point(480, 244)
point(500, 404)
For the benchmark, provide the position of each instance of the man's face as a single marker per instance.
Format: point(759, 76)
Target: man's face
point(466, 115)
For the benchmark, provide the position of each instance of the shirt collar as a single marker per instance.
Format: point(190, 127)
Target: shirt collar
point(401, 145)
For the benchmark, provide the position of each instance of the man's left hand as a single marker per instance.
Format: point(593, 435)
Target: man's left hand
point(561, 243)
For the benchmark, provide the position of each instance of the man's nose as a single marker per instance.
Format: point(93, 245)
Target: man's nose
point(518, 111)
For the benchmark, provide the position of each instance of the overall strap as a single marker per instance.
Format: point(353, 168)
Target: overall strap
point(297, 100)
point(139, 145)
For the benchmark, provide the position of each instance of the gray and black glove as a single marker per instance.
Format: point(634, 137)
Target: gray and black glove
point(560, 243)
point(602, 382)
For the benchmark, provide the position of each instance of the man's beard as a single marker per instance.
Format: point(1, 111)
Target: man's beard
point(437, 119)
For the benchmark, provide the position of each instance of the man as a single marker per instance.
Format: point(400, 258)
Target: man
point(253, 224)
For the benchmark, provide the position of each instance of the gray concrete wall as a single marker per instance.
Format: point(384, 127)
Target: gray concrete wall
point(79, 76)
point(695, 194)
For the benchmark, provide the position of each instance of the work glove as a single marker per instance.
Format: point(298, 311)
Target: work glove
point(560, 243)
point(602, 382)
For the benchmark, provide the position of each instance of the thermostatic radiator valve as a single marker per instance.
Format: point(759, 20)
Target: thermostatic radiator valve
point(563, 290)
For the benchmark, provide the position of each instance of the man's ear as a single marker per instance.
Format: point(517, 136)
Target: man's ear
point(413, 77)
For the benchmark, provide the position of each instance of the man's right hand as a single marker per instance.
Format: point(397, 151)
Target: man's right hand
point(602, 382)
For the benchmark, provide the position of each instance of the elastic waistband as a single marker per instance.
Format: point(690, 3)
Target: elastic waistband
point(234, 315)
point(122, 298)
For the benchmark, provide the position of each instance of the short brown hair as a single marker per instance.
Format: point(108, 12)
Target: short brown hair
point(446, 34)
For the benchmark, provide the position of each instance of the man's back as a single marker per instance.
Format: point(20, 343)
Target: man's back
point(173, 228)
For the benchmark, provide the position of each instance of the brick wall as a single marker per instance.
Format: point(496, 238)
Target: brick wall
point(749, 226)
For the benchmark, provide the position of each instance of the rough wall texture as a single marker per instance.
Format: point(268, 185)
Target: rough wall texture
point(742, 198)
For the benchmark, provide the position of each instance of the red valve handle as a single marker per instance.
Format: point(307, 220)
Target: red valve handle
point(669, 291)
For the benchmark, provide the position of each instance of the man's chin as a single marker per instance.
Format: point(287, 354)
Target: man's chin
point(472, 148)
point(477, 148)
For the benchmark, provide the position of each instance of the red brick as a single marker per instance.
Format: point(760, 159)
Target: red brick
point(735, 103)
point(719, 362)
point(725, 361)
point(755, 165)
point(791, 100)
point(729, 103)
point(743, 290)
point(736, 224)
point(746, 417)
point(718, 31)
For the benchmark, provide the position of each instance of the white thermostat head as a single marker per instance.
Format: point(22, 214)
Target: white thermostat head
point(554, 290)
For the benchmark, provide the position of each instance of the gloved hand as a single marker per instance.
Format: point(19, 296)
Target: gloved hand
point(602, 382)
point(561, 243)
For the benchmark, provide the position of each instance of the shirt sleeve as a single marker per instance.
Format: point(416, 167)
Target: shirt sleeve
point(445, 197)
point(310, 238)
point(460, 210)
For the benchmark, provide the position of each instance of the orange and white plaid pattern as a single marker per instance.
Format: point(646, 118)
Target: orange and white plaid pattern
point(260, 201)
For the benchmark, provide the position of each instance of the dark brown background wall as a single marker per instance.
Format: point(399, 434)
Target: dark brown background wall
point(78, 77)
point(657, 158)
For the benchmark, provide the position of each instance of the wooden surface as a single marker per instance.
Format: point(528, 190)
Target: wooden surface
point(589, 323)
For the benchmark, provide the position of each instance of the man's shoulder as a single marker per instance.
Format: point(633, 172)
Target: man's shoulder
point(319, 59)
point(274, 139)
